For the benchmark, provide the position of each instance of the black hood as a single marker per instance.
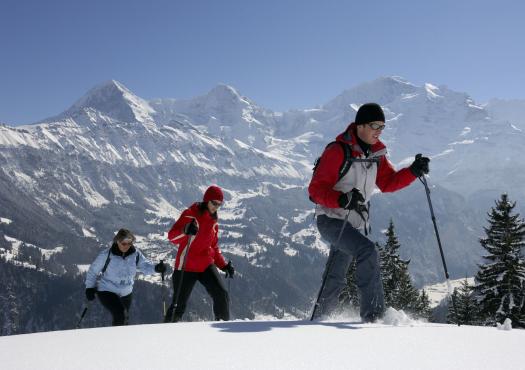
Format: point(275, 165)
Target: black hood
point(117, 252)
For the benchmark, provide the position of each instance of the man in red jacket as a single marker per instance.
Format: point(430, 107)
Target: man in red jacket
point(342, 184)
point(196, 233)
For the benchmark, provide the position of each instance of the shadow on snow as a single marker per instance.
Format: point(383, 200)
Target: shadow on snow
point(259, 326)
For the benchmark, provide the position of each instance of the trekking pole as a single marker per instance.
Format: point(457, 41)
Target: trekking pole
point(449, 286)
point(229, 297)
point(336, 247)
point(163, 293)
point(179, 287)
point(84, 311)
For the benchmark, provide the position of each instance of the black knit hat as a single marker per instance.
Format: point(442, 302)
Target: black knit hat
point(369, 112)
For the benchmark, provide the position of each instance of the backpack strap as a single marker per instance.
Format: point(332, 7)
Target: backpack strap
point(347, 159)
point(106, 263)
point(108, 259)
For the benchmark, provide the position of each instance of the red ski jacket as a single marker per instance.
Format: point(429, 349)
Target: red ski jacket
point(204, 249)
point(326, 187)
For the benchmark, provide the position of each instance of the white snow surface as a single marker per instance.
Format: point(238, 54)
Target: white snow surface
point(396, 343)
point(507, 325)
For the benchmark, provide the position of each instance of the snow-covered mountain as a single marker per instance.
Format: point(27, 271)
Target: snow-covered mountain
point(113, 100)
point(510, 110)
point(116, 160)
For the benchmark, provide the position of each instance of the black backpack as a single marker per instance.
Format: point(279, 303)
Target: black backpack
point(347, 161)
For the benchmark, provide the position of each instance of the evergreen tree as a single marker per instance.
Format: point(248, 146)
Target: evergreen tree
point(500, 281)
point(452, 316)
point(405, 296)
point(399, 291)
point(423, 305)
point(10, 316)
point(466, 304)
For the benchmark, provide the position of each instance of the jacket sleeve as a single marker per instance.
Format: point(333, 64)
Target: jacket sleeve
point(145, 265)
point(176, 234)
point(321, 188)
point(95, 268)
point(218, 257)
point(389, 180)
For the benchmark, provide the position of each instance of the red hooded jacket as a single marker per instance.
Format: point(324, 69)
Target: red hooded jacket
point(326, 176)
point(204, 249)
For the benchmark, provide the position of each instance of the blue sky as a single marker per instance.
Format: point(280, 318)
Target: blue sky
point(281, 54)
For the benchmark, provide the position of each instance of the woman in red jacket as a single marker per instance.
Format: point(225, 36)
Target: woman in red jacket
point(198, 256)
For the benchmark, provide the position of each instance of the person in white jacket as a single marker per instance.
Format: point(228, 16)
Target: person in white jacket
point(112, 274)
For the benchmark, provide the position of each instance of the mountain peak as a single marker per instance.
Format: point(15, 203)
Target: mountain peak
point(113, 84)
point(224, 90)
point(381, 90)
point(386, 88)
point(114, 100)
point(223, 94)
point(393, 80)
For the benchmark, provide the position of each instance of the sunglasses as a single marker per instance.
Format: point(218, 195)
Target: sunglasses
point(376, 126)
point(215, 203)
point(126, 242)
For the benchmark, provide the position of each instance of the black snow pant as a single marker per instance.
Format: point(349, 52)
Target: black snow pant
point(211, 280)
point(118, 306)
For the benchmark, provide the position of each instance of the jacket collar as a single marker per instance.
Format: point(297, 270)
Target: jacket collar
point(204, 215)
point(349, 136)
point(117, 252)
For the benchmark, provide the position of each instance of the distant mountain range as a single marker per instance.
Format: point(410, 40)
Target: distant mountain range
point(115, 160)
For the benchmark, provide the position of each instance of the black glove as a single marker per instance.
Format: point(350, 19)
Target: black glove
point(160, 267)
point(351, 200)
point(191, 228)
point(420, 166)
point(90, 293)
point(229, 270)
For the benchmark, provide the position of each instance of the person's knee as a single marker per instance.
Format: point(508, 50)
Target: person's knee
point(368, 271)
point(338, 266)
point(368, 252)
point(336, 278)
point(373, 254)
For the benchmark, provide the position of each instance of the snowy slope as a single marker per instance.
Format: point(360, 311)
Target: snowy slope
point(393, 344)
point(510, 110)
point(437, 292)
